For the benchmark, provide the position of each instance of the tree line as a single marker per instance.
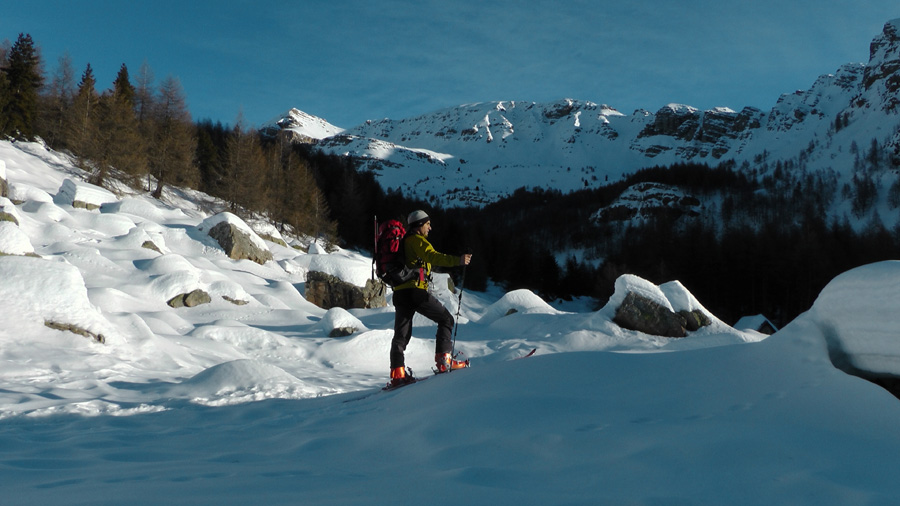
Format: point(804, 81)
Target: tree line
point(142, 132)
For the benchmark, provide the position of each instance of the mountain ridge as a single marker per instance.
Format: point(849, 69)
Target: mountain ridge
point(474, 154)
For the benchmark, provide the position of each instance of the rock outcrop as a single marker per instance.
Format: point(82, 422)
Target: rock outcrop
point(327, 291)
point(649, 200)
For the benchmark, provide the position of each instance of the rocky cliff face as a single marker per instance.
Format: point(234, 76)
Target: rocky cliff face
point(882, 74)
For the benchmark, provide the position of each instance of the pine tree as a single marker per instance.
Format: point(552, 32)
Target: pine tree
point(24, 78)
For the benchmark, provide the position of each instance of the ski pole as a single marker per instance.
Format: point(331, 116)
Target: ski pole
point(375, 248)
point(462, 282)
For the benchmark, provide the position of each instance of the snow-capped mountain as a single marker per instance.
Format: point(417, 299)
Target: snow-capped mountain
point(475, 153)
point(302, 127)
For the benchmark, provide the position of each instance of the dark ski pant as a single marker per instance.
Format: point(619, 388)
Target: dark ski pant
point(407, 303)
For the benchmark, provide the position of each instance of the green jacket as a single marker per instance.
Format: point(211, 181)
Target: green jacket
point(420, 253)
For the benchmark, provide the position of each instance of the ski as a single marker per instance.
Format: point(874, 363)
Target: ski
point(389, 387)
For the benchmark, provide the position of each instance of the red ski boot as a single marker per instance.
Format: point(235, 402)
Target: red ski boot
point(443, 362)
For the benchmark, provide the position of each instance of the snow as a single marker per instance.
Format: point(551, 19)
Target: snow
point(12, 240)
point(77, 191)
point(855, 326)
point(752, 322)
point(305, 124)
point(236, 404)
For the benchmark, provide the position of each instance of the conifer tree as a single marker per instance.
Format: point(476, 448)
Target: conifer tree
point(123, 89)
point(121, 143)
point(24, 78)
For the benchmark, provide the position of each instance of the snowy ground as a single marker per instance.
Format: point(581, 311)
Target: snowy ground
point(253, 403)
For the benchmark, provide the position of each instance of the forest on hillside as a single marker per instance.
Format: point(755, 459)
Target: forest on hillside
point(141, 132)
point(763, 243)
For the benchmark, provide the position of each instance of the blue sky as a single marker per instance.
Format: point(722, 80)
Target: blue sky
point(348, 61)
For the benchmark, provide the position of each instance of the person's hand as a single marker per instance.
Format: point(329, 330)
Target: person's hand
point(465, 259)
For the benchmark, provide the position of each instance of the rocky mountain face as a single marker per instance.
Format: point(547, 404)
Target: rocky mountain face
point(649, 200)
point(476, 153)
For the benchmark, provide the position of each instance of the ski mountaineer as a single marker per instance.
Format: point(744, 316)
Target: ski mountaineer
point(413, 297)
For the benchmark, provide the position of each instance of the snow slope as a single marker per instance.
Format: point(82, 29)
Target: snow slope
point(235, 404)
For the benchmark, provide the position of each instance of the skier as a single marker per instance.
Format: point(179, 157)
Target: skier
point(413, 297)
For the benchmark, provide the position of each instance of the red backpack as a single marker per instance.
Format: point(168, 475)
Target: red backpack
point(390, 258)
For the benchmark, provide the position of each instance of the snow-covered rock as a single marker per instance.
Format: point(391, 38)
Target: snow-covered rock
point(8, 211)
point(338, 322)
point(518, 301)
point(856, 313)
point(237, 238)
point(13, 241)
point(84, 195)
point(50, 293)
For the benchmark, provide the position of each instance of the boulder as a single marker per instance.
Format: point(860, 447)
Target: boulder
point(238, 244)
point(194, 298)
point(642, 314)
point(327, 291)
